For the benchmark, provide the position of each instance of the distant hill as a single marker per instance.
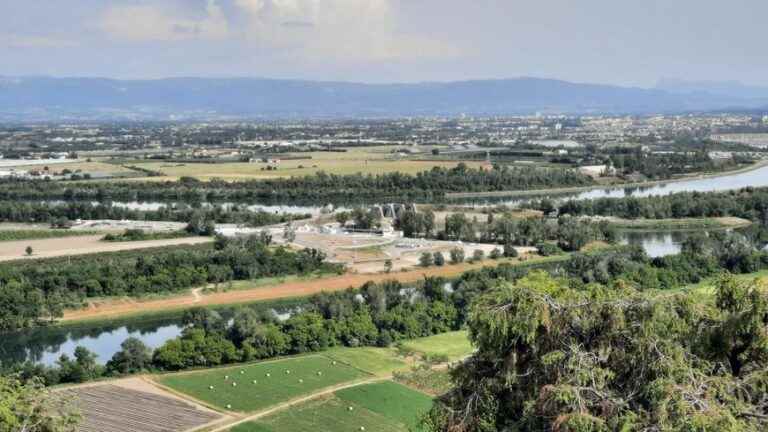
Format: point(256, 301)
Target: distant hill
point(733, 89)
point(36, 98)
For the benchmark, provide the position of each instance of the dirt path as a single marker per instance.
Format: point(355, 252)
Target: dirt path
point(270, 292)
point(80, 245)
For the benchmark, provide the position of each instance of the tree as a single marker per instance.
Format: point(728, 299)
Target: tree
point(426, 259)
point(27, 406)
point(29, 250)
point(495, 254)
point(457, 255)
point(478, 255)
point(133, 357)
point(554, 357)
point(439, 259)
point(388, 265)
point(289, 233)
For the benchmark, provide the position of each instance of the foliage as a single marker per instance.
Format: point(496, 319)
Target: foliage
point(26, 406)
point(553, 357)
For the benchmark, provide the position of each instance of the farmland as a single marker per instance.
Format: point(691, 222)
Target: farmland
point(87, 244)
point(39, 234)
point(385, 407)
point(260, 385)
point(453, 345)
point(135, 406)
point(368, 161)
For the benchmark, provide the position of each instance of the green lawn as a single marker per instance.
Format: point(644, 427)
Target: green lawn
point(377, 361)
point(389, 399)
point(278, 387)
point(380, 407)
point(455, 345)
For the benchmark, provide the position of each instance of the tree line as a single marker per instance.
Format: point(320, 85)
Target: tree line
point(33, 292)
point(570, 234)
point(62, 215)
point(320, 187)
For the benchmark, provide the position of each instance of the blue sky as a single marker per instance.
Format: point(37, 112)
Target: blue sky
point(608, 41)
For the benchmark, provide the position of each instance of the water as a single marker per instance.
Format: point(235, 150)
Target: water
point(655, 243)
point(754, 178)
point(44, 345)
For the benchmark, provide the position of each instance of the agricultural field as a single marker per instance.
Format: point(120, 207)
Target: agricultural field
point(377, 361)
point(95, 168)
point(377, 407)
point(260, 385)
point(39, 234)
point(453, 345)
point(114, 408)
point(430, 381)
point(366, 161)
point(79, 245)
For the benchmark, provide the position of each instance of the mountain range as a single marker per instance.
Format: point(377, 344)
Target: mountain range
point(46, 98)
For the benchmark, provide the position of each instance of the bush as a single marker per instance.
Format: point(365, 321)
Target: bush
point(548, 249)
point(457, 256)
point(426, 259)
point(495, 254)
point(439, 259)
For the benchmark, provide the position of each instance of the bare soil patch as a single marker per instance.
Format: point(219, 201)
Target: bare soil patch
point(56, 247)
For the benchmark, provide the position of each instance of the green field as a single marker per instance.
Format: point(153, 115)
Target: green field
point(40, 234)
point(377, 361)
point(280, 386)
point(430, 381)
point(454, 345)
point(379, 407)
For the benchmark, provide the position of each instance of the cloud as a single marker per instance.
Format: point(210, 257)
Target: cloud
point(346, 31)
point(150, 22)
point(33, 41)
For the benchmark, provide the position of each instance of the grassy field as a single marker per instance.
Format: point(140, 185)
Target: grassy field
point(455, 345)
point(83, 167)
point(366, 161)
point(40, 234)
point(430, 381)
point(275, 382)
point(377, 361)
point(380, 407)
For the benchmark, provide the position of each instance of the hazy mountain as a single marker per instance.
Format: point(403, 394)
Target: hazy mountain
point(93, 98)
point(732, 89)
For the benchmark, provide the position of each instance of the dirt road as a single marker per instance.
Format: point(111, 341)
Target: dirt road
point(67, 246)
point(128, 307)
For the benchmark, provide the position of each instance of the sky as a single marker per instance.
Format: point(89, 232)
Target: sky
point(624, 42)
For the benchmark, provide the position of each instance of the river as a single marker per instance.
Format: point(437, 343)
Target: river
point(44, 345)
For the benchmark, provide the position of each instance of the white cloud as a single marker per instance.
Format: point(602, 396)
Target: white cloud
point(148, 22)
point(338, 30)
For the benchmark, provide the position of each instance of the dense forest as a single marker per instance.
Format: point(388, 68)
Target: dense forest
point(321, 187)
point(34, 291)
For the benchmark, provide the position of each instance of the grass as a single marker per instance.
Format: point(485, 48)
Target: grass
point(376, 361)
point(454, 345)
point(40, 234)
point(329, 414)
point(431, 381)
point(379, 407)
point(389, 399)
point(279, 387)
point(706, 288)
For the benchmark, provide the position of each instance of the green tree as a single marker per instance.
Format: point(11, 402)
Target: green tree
point(27, 406)
point(134, 356)
point(29, 250)
point(426, 259)
point(439, 259)
point(457, 255)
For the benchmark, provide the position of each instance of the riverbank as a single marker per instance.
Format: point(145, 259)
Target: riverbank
point(580, 189)
point(291, 289)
